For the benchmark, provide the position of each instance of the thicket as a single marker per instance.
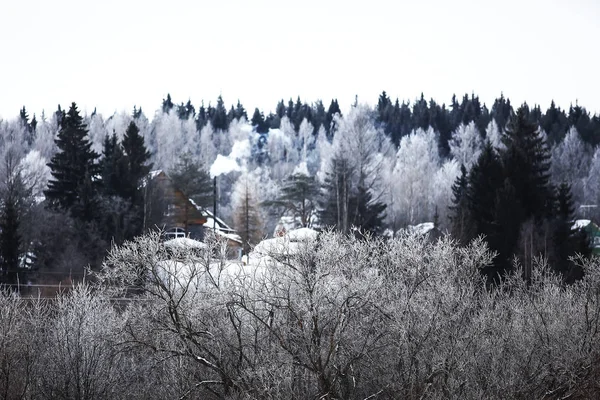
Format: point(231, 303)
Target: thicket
point(331, 318)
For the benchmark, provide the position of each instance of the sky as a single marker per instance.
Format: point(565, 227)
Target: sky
point(112, 55)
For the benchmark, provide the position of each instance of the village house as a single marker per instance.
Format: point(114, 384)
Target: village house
point(168, 208)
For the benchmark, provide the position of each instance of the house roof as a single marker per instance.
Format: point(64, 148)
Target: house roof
point(221, 227)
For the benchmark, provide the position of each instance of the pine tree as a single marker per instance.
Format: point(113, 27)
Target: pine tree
point(190, 177)
point(74, 169)
point(298, 198)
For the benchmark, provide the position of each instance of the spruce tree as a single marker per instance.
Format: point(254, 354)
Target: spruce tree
point(167, 104)
point(218, 117)
point(113, 167)
point(527, 165)
point(461, 224)
point(137, 157)
point(367, 214)
point(14, 195)
point(493, 209)
point(74, 168)
point(566, 241)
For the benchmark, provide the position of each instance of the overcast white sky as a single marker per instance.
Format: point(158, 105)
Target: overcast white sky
point(112, 54)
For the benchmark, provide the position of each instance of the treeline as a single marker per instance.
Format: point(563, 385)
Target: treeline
point(333, 318)
point(378, 169)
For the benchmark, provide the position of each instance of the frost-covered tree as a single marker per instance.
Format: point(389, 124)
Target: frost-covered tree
point(207, 152)
point(592, 187)
point(247, 215)
point(417, 161)
point(352, 172)
point(168, 139)
point(298, 198)
point(442, 191)
point(15, 203)
point(35, 172)
point(466, 144)
point(493, 134)
point(571, 160)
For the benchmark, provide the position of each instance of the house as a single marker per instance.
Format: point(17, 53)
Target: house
point(168, 207)
point(592, 231)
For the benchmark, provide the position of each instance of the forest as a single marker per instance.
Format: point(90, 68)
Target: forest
point(503, 301)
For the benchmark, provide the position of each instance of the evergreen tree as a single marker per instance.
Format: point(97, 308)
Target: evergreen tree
point(137, 157)
point(501, 111)
point(555, 123)
point(190, 177)
point(167, 104)
point(113, 167)
point(334, 108)
point(493, 209)
point(15, 201)
point(461, 224)
point(566, 241)
point(298, 198)
point(258, 121)
point(367, 214)
point(74, 169)
point(527, 165)
point(240, 111)
point(218, 117)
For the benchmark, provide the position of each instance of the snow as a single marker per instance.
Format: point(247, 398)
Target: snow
point(302, 234)
point(301, 168)
point(184, 243)
point(421, 229)
point(581, 223)
point(286, 245)
point(155, 173)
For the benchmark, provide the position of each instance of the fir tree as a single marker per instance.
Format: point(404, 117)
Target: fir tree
point(137, 157)
point(74, 169)
point(218, 117)
point(527, 165)
point(367, 214)
point(113, 167)
point(167, 104)
point(566, 241)
point(258, 121)
point(334, 108)
point(493, 210)
point(461, 224)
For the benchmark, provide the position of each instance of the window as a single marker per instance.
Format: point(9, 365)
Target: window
point(174, 233)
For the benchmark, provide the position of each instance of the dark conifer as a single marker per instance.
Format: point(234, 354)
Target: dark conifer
point(73, 167)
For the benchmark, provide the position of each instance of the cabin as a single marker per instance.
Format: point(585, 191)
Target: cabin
point(168, 207)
